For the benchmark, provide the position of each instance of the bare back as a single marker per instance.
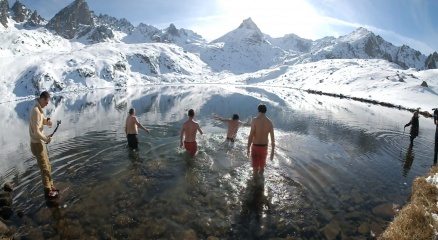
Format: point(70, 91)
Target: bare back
point(261, 126)
point(190, 128)
point(233, 127)
point(131, 125)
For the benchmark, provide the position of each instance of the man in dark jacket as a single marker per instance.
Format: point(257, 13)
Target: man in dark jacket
point(415, 127)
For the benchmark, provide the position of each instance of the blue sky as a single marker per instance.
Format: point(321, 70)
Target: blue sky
point(410, 22)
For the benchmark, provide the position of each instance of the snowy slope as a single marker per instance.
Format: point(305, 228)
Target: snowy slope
point(370, 79)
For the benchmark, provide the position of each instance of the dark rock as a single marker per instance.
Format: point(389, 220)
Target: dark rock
point(122, 25)
point(8, 187)
point(4, 8)
point(20, 12)
point(35, 19)
point(331, 230)
point(6, 212)
point(72, 21)
point(3, 228)
point(101, 33)
point(189, 235)
point(5, 199)
point(385, 210)
point(424, 84)
point(364, 228)
point(432, 61)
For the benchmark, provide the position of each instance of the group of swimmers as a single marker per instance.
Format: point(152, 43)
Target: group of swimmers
point(257, 147)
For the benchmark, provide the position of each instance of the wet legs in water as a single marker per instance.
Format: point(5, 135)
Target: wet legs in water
point(412, 141)
point(409, 159)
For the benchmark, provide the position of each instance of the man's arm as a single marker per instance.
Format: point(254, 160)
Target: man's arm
point(200, 130)
point(140, 126)
point(409, 124)
point(250, 137)
point(221, 119)
point(181, 136)
point(272, 142)
point(34, 123)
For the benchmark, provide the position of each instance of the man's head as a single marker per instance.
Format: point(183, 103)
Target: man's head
point(416, 113)
point(131, 111)
point(235, 117)
point(44, 99)
point(191, 113)
point(262, 108)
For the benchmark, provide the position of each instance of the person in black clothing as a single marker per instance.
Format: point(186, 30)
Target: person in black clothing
point(435, 121)
point(414, 128)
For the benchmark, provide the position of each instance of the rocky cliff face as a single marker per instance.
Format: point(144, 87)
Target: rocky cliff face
point(74, 20)
point(4, 8)
point(432, 61)
point(20, 13)
point(35, 19)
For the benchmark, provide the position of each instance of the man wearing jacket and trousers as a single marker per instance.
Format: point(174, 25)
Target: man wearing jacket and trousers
point(38, 141)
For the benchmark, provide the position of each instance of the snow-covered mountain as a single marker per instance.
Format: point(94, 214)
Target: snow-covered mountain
point(77, 50)
point(245, 49)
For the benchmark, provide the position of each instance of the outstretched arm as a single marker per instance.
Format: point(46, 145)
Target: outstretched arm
point(200, 130)
point(140, 126)
point(250, 137)
point(246, 124)
point(409, 124)
point(220, 118)
point(272, 142)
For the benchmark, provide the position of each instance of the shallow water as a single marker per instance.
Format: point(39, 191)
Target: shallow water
point(336, 160)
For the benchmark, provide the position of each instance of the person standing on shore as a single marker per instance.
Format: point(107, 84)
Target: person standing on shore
point(37, 142)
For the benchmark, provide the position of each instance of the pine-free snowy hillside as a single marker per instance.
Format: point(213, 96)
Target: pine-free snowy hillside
point(372, 79)
point(79, 50)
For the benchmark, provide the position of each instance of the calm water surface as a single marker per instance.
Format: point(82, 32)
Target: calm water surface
point(336, 161)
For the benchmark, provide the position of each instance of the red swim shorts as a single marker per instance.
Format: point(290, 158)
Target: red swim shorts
point(258, 156)
point(191, 148)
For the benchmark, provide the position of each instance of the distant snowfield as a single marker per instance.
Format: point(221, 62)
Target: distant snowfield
point(35, 60)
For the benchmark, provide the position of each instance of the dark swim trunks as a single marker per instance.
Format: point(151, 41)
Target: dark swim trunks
point(132, 141)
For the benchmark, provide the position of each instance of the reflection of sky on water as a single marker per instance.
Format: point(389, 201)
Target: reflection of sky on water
point(329, 147)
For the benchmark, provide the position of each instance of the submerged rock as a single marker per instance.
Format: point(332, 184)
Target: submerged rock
point(385, 210)
point(3, 228)
point(331, 230)
point(364, 228)
point(8, 187)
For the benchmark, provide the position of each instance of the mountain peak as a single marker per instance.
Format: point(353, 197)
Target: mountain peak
point(69, 20)
point(249, 24)
point(172, 30)
point(20, 12)
point(4, 8)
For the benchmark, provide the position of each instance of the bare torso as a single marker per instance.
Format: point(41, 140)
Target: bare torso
point(190, 128)
point(262, 127)
point(131, 126)
point(233, 127)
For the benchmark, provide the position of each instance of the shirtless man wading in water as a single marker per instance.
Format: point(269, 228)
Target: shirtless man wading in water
point(131, 129)
point(188, 134)
point(258, 141)
point(233, 126)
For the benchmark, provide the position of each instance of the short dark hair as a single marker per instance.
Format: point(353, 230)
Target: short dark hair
point(191, 113)
point(235, 117)
point(131, 111)
point(262, 108)
point(45, 95)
